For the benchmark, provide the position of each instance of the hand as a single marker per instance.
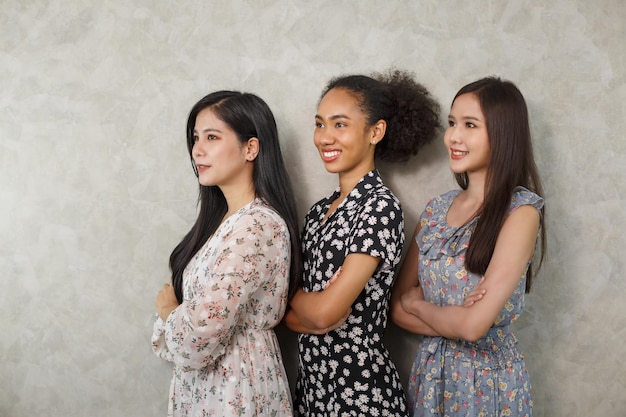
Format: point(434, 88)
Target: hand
point(333, 279)
point(335, 326)
point(412, 295)
point(475, 295)
point(166, 301)
point(341, 321)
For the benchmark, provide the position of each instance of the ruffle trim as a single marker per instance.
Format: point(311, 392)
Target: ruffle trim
point(437, 238)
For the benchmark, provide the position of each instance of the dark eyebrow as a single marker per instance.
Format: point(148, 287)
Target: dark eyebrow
point(208, 130)
point(335, 117)
point(465, 118)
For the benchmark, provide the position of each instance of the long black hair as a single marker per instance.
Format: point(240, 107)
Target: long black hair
point(411, 113)
point(248, 116)
point(511, 163)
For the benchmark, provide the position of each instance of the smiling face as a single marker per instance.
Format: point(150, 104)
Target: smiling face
point(220, 158)
point(466, 137)
point(344, 140)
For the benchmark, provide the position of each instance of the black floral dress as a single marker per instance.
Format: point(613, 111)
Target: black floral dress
point(348, 371)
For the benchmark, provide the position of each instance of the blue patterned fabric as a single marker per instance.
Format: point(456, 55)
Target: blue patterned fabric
point(455, 377)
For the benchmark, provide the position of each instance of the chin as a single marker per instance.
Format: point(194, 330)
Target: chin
point(456, 169)
point(206, 183)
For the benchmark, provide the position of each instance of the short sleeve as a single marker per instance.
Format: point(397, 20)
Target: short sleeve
point(524, 197)
point(379, 230)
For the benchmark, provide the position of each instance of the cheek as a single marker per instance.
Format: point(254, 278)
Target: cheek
point(317, 137)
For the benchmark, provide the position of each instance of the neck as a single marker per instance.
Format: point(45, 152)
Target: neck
point(476, 187)
point(348, 180)
point(237, 197)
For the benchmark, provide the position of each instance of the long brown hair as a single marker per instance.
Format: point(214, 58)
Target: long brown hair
point(511, 164)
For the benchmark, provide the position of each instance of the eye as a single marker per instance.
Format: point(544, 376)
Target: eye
point(195, 138)
point(470, 125)
point(211, 137)
point(340, 124)
point(319, 125)
point(451, 123)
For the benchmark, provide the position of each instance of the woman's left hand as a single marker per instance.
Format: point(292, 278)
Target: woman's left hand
point(412, 295)
point(475, 295)
point(166, 301)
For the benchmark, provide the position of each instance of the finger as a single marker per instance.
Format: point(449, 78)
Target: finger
point(335, 276)
point(472, 298)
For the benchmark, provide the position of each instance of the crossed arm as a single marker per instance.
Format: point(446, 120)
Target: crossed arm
point(198, 331)
point(322, 311)
point(514, 248)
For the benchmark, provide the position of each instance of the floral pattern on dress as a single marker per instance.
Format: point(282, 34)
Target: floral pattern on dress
point(221, 339)
point(455, 377)
point(348, 371)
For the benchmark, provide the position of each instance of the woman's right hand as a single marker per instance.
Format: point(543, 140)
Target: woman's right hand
point(333, 278)
point(340, 323)
point(475, 295)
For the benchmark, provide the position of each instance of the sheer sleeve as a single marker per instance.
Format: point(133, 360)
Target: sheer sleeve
point(250, 255)
point(159, 347)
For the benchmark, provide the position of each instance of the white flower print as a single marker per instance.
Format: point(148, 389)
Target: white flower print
point(368, 221)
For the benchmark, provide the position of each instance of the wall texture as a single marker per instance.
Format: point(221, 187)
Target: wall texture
point(96, 187)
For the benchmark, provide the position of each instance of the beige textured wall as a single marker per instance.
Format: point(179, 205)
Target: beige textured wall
point(96, 188)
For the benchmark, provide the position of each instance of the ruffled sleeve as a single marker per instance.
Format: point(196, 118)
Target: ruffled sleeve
point(524, 197)
point(437, 238)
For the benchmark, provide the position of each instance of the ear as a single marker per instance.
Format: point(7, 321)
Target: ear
point(378, 131)
point(251, 149)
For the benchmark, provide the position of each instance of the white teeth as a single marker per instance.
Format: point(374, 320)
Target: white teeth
point(330, 154)
point(459, 153)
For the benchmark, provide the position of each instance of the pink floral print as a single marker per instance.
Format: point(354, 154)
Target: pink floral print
point(221, 339)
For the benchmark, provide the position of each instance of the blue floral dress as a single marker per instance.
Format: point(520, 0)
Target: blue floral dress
point(455, 377)
point(348, 371)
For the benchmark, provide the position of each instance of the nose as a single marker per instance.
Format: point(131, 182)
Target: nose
point(452, 134)
point(197, 150)
point(322, 137)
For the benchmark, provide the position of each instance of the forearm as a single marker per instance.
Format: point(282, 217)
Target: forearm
point(410, 322)
point(293, 322)
point(316, 310)
point(452, 322)
point(196, 342)
point(159, 346)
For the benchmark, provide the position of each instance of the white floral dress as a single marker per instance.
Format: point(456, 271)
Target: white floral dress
point(221, 339)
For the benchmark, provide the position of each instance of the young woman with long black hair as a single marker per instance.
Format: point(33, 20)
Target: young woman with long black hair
point(232, 272)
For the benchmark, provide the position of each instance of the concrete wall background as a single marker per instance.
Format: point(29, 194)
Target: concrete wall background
point(96, 187)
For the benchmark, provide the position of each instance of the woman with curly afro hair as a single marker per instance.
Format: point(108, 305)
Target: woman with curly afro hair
point(352, 242)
